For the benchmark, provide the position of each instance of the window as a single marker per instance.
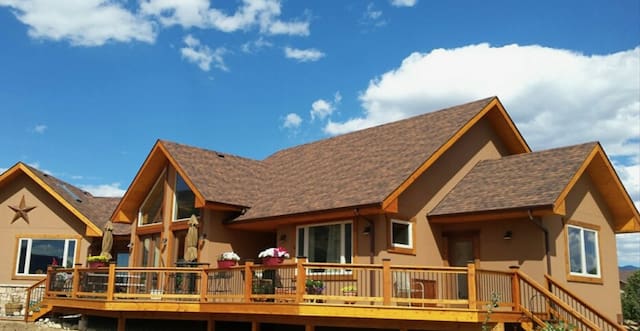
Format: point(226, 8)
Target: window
point(401, 234)
point(325, 243)
point(184, 201)
point(584, 259)
point(35, 255)
point(151, 209)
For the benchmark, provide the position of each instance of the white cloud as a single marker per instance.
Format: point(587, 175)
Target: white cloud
point(404, 3)
point(104, 190)
point(303, 55)
point(263, 14)
point(81, 22)
point(202, 55)
point(322, 108)
point(628, 246)
point(372, 17)
point(40, 128)
point(256, 45)
point(292, 121)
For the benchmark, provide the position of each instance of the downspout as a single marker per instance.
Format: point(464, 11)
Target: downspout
point(538, 223)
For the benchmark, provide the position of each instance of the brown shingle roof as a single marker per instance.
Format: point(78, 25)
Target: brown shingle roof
point(219, 177)
point(516, 181)
point(359, 168)
point(96, 209)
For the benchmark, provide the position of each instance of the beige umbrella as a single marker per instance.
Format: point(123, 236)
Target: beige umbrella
point(107, 240)
point(191, 240)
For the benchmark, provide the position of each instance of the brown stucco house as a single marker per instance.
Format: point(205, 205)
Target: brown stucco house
point(445, 220)
point(46, 222)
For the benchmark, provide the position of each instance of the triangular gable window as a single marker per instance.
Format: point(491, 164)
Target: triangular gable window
point(151, 209)
point(185, 201)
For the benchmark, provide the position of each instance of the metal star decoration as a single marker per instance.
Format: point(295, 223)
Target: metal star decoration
point(21, 211)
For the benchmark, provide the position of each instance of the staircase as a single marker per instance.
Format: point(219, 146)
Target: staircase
point(34, 302)
point(556, 305)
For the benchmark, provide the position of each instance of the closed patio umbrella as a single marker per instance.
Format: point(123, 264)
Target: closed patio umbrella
point(107, 240)
point(191, 240)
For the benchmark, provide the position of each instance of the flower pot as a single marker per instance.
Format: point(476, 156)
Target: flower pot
point(97, 264)
point(272, 260)
point(225, 264)
point(350, 294)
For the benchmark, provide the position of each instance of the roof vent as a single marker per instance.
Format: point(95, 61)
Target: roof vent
point(220, 155)
point(73, 195)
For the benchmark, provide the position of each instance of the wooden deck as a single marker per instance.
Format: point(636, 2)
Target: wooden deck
point(385, 292)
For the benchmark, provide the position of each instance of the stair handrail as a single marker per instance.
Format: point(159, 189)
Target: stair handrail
point(557, 301)
point(583, 303)
point(29, 291)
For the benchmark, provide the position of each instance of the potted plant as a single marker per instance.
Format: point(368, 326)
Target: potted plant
point(273, 256)
point(314, 286)
point(349, 291)
point(227, 260)
point(97, 261)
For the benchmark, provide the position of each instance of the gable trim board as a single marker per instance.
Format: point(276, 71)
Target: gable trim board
point(91, 229)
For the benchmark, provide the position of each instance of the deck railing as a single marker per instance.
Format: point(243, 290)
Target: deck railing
point(311, 283)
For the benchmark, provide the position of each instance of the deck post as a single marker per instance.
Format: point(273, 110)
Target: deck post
point(301, 278)
point(111, 281)
point(75, 282)
point(471, 281)
point(515, 289)
point(386, 282)
point(47, 283)
point(204, 285)
point(248, 281)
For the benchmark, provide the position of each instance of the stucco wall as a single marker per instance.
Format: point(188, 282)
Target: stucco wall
point(48, 219)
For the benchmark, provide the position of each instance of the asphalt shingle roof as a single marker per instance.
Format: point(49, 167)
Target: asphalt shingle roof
point(97, 209)
point(358, 168)
point(516, 181)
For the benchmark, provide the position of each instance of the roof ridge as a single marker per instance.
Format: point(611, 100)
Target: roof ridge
point(206, 150)
point(378, 126)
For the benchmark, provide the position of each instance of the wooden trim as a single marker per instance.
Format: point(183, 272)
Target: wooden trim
point(576, 176)
point(149, 229)
point(179, 225)
point(580, 278)
point(493, 104)
point(537, 211)
point(91, 229)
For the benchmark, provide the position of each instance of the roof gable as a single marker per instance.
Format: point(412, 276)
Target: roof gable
point(92, 211)
point(535, 181)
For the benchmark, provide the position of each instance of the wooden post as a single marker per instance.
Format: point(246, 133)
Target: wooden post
point(248, 281)
point(471, 281)
point(515, 289)
point(47, 283)
point(386, 282)
point(211, 324)
point(75, 282)
point(255, 326)
point(204, 285)
point(122, 322)
point(301, 278)
point(111, 282)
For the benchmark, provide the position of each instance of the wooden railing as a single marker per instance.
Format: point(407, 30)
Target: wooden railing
point(304, 283)
point(33, 300)
point(581, 307)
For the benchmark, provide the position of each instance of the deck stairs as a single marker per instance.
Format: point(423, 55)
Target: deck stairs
point(36, 308)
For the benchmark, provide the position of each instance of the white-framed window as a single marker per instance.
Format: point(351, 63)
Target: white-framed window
point(401, 234)
point(151, 208)
point(35, 255)
point(184, 201)
point(584, 259)
point(329, 242)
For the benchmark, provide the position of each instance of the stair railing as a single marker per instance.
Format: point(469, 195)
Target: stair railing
point(34, 297)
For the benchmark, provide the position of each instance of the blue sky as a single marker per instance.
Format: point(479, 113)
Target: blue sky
point(87, 86)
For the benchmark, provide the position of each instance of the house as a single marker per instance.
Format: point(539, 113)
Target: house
point(47, 222)
point(445, 220)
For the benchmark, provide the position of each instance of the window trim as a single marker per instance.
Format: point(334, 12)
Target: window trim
point(581, 276)
point(174, 204)
point(305, 249)
point(160, 177)
point(30, 237)
point(400, 248)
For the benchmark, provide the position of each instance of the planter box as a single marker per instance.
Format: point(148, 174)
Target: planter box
point(224, 264)
point(97, 264)
point(270, 260)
